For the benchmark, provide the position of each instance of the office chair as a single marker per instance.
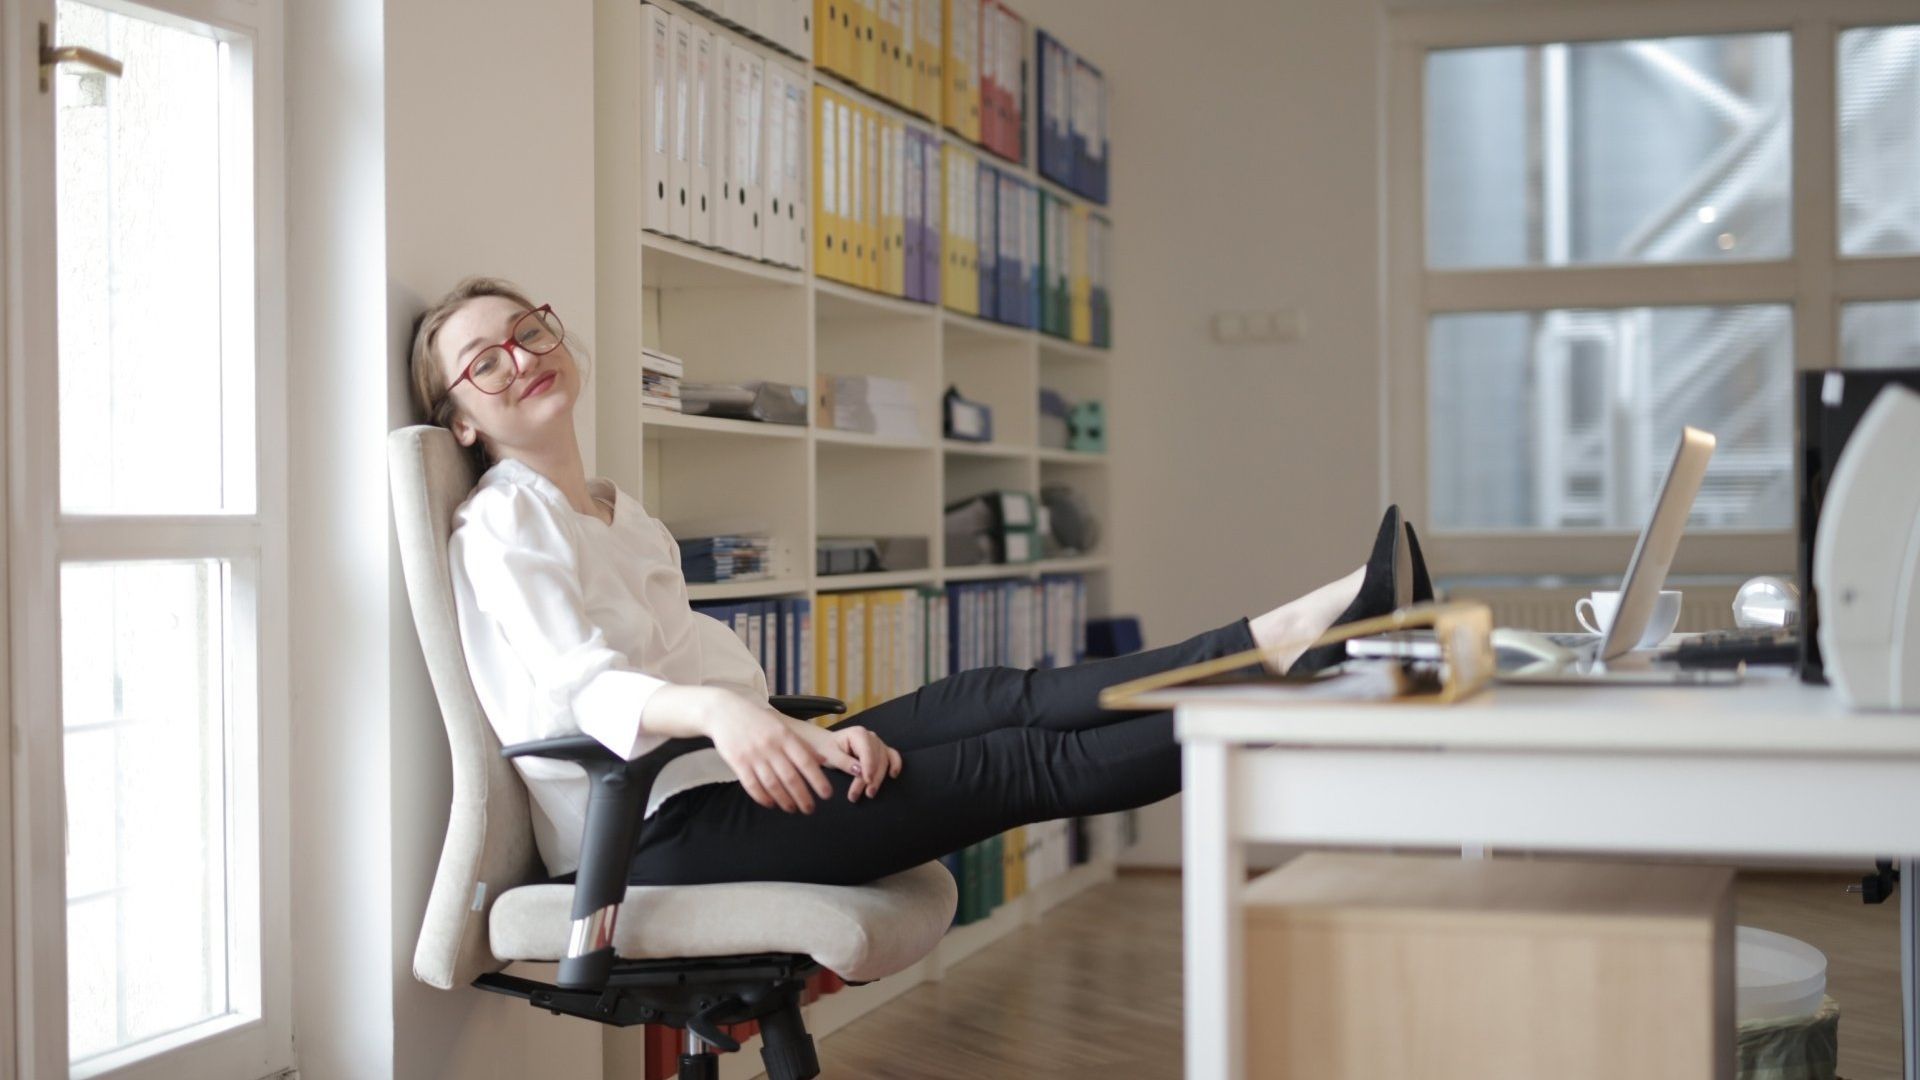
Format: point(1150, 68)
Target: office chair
point(692, 957)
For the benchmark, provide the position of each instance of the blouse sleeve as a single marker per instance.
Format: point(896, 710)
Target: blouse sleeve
point(522, 568)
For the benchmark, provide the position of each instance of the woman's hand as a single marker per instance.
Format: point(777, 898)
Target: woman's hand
point(777, 764)
point(877, 762)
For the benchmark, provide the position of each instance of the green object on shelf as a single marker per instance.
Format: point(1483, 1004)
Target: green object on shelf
point(1087, 427)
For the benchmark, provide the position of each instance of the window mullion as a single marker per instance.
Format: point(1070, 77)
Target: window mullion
point(1884, 278)
point(1544, 288)
point(1816, 337)
point(114, 537)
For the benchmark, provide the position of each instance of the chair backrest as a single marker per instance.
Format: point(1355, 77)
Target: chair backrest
point(489, 846)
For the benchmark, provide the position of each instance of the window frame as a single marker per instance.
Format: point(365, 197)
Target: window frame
point(1814, 281)
point(40, 539)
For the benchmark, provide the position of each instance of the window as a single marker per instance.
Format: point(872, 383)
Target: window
point(1617, 222)
point(165, 557)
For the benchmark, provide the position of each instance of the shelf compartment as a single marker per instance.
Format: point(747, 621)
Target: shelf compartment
point(862, 492)
point(666, 424)
point(837, 437)
point(836, 301)
point(971, 326)
point(667, 262)
point(697, 481)
point(985, 449)
point(736, 590)
point(1078, 564)
point(1053, 348)
point(889, 579)
point(1054, 456)
point(990, 571)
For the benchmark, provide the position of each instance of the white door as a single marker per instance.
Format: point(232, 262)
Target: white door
point(146, 539)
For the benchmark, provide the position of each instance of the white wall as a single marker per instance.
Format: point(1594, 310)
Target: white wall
point(338, 352)
point(1245, 149)
point(428, 140)
point(489, 155)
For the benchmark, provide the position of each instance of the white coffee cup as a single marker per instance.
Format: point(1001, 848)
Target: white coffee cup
point(1596, 613)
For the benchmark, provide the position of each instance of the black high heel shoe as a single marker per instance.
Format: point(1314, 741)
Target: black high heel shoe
point(1388, 584)
point(1422, 585)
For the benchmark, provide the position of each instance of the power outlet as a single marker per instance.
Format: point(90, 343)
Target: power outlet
point(1256, 327)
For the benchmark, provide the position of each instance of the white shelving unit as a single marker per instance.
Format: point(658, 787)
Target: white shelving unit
point(734, 318)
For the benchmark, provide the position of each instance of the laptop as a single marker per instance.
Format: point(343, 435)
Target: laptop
point(1528, 657)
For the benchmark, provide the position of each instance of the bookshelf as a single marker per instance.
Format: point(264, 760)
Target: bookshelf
point(732, 318)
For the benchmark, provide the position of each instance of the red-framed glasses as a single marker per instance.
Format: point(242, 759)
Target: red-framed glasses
point(493, 369)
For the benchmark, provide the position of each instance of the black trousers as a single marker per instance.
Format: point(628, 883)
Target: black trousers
point(981, 752)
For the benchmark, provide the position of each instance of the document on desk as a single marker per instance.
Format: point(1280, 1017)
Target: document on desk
point(1463, 631)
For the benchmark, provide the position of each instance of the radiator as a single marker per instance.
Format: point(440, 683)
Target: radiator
point(1550, 608)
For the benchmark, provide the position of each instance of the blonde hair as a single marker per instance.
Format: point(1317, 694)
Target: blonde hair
point(431, 395)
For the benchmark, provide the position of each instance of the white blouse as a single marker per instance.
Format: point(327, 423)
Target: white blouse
point(570, 625)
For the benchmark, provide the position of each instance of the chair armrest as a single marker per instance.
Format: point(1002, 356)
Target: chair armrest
point(616, 800)
point(806, 706)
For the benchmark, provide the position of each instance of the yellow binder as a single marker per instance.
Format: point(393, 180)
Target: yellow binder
point(827, 646)
point(960, 102)
point(826, 35)
point(871, 177)
point(893, 204)
point(1463, 630)
point(953, 292)
point(889, 21)
point(906, 87)
point(866, 43)
point(970, 233)
point(928, 61)
point(1079, 295)
point(856, 190)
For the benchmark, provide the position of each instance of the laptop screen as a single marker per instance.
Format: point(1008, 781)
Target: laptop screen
point(1653, 554)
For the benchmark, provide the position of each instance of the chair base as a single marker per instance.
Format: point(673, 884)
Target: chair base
point(698, 995)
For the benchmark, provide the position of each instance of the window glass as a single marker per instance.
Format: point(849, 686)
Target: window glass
point(1879, 71)
point(150, 404)
point(1566, 420)
point(144, 706)
point(1880, 335)
point(1672, 150)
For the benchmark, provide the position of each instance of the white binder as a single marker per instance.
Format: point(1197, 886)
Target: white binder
point(700, 162)
point(680, 146)
point(749, 172)
point(799, 105)
point(656, 121)
point(773, 151)
point(726, 56)
point(794, 22)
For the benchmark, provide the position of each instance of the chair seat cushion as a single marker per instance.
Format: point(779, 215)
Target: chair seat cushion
point(859, 932)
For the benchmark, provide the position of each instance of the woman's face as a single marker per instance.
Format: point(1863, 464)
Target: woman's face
point(539, 400)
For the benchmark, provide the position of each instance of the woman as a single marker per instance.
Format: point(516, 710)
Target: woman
point(574, 617)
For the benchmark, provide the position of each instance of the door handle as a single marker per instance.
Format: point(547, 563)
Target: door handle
point(52, 56)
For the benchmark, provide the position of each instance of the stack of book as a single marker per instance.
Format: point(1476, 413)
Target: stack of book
point(728, 557)
point(873, 404)
point(660, 377)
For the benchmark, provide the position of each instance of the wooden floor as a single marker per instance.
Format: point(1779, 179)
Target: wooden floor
point(1094, 989)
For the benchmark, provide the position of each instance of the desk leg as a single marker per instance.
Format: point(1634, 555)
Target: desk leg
point(1213, 881)
point(1909, 965)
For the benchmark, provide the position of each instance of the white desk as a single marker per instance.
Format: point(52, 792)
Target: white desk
point(1770, 767)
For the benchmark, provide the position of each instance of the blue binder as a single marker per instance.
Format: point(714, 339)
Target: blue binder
point(987, 194)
